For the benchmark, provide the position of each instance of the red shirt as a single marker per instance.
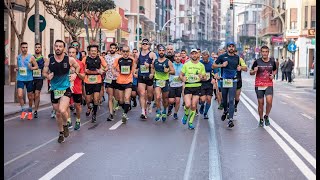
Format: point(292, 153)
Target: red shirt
point(77, 87)
point(184, 60)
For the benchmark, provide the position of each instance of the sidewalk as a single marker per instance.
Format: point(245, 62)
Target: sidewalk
point(299, 82)
point(11, 108)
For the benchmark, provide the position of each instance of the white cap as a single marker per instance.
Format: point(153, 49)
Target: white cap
point(192, 50)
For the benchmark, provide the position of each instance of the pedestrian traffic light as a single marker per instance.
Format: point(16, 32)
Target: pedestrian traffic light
point(231, 4)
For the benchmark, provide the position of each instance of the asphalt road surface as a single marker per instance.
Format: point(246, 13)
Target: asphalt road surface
point(156, 150)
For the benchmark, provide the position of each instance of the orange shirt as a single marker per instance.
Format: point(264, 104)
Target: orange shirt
point(94, 79)
point(124, 78)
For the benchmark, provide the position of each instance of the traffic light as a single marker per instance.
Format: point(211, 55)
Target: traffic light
point(231, 4)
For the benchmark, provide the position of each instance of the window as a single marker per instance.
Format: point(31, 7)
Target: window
point(306, 17)
point(293, 18)
point(313, 16)
point(51, 40)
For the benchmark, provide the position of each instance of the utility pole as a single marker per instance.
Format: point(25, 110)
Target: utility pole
point(138, 25)
point(37, 22)
point(100, 40)
point(315, 60)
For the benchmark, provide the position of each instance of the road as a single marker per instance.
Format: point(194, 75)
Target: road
point(157, 150)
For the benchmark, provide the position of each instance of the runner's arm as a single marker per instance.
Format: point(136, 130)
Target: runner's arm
point(34, 63)
point(152, 70)
point(45, 71)
point(243, 65)
point(171, 68)
point(81, 74)
point(254, 68)
point(74, 64)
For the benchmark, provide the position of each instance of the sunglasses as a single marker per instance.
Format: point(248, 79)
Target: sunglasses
point(144, 43)
point(75, 45)
point(125, 51)
point(215, 57)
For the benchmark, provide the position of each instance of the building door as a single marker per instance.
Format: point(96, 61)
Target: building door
point(310, 60)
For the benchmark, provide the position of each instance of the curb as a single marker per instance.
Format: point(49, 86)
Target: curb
point(18, 111)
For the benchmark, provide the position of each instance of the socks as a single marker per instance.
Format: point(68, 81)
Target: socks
point(126, 107)
point(192, 115)
point(215, 92)
point(206, 108)
point(171, 107)
point(23, 108)
point(121, 105)
point(186, 111)
point(30, 109)
point(143, 112)
point(77, 120)
point(95, 108)
point(69, 120)
point(236, 103)
point(164, 111)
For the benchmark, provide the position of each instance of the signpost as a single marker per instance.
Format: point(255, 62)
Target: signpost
point(42, 23)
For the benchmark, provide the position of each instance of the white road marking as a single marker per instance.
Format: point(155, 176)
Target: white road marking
point(61, 166)
point(186, 175)
point(291, 154)
point(18, 116)
point(283, 102)
point(287, 96)
point(214, 156)
point(116, 125)
point(305, 115)
point(40, 146)
point(284, 134)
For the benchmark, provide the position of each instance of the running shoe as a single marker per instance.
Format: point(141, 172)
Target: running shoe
point(124, 118)
point(110, 118)
point(29, 115)
point(77, 125)
point(175, 116)
point(197, 112)
point(23, 115)
point(235, 109)
point(266, 120)
point(164, 117)
point(65, 131)
point(205, 116)
point(184, 119)
point(134, 103)
point(230, 123)
point(224, 116)
point(53, 114)
point(35, 114)
point(190, 126)
point(220, 107)
point(69, 124)
point(88, 112)
point(94, 119)
point(61, 138)
point(261, 123)
point(154, 105)
point(143, 116)
point(158, 116)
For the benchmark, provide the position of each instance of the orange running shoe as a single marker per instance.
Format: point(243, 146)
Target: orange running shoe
point(23, 115)
point(29, 115)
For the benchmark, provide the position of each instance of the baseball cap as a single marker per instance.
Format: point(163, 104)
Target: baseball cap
point(231, 42)
point(160, 46)
point(145, 40)
point(193, 50)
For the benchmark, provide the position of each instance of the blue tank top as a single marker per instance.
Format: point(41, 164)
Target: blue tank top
point(141, 60)
point(40, 62)
point(61, 71)
point(208, 68)
point(24, 73)
point(177, 69)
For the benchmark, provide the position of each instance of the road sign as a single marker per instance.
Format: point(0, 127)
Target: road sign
point(42, 22)
point(292, 47)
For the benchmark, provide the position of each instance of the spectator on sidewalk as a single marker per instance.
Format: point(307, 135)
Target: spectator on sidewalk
point(288, 69)
point(282, 67)
point(277, 64)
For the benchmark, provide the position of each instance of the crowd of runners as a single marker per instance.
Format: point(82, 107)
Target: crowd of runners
point(158, 79)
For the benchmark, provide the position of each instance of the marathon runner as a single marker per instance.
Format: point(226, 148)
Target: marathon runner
point(111, 80)
point(26, 63)
point(76, 88)
point(192, 73)
point(217, 85)
point(175, 89)
point(57, 70)
point(37, 77)
point(93, 81)
point(264, 68)
point(229, 64)
point(162, 68)
point(207, 86)
point(184, 57)
point(170, 52)
point(134, 82)
point(145, 79)
point(239, 83)
point(125, 66)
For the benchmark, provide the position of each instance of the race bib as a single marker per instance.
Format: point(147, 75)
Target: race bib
point(37, 73)
point(175, 82)
point(125, 70)
point(106, 80)
point(58, 93)
point(193, 78)
point(22, 71)
point(144, 69)
point(176, 79)
point(262, 87)
point(92, 78)
point(227, 83)
point(208, 76)
point(160, 83)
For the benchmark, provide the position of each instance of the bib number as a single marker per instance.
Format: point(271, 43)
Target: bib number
point(109, 81)
point(192, 78)
point(176, 79)
point(160, 83)
point(262, 87)
point(37, 73)
point(227, 83)
point(144, 69)
point(22, 71)
point(58, 93)
point(125, 69)
point(93, 78)
point(208, 76)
